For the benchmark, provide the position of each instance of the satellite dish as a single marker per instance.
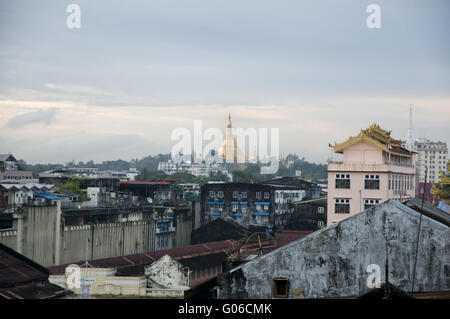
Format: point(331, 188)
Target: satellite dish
point(258, 244)
point(149, 199)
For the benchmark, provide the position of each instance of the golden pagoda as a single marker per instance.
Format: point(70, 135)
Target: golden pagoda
point(229, 150)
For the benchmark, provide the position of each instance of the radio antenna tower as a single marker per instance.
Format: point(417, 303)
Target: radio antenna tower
point(409, 139)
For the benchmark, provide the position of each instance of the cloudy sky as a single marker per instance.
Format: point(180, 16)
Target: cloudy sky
point(136, 70)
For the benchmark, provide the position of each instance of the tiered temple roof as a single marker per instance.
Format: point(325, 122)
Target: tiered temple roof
point(443, 192)
point(377, 137)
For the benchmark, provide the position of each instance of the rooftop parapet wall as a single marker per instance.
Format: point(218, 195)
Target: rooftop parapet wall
point(106, 240)
point(106, 225)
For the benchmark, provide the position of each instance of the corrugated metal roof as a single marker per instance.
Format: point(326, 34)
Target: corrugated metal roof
point(28, 186)
point(32, 291)
point(47, 195)
point(136, 261)
point(428, 210)
point(4, 157)
point(17, 269)
point(286, 236)
point(22, 278)
point(432, 295)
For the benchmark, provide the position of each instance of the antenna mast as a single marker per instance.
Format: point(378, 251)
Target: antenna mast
point(409, 139)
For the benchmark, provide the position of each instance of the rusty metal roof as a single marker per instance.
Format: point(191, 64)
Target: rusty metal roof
point(286, 236)
point(131, 264)
point(22, 278)
point(17, 269)
point(32, 291)
point(432, 295)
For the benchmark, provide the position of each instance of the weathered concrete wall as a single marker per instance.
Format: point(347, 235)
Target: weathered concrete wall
point(35, 233)
point(106, 240)
point(74, 243)
point(183, 232)
point(197, 215)
point(8, 237)
point(333, 261)
point(39, 234)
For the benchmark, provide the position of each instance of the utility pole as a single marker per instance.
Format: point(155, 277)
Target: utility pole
point(418, 230)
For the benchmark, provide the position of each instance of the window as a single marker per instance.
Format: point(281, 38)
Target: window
point(372, 181)
point(370, 202)
point(342, 181)
point(342, 206)
point(320, 210)
point(244, 194)
point(220, 194)
point(258, 195)
point(266, 195)
point(212, 194)
point(280, 288)
point(235, 194)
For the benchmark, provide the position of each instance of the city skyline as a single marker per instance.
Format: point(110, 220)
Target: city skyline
point(114, 90)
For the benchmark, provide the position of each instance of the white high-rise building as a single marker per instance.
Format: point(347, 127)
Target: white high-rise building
point(432, 155)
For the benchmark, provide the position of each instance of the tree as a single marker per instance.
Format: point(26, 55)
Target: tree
point(73, 185)
point(147, 175)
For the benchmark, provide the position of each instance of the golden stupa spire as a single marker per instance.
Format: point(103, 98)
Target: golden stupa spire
point(229, 120)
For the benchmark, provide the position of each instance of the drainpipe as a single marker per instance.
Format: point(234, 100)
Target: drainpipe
point(360, 201)
point(418, 232)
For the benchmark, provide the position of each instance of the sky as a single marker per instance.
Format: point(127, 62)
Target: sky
point(134, 71)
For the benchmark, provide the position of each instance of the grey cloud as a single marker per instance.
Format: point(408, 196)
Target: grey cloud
point(41, 116)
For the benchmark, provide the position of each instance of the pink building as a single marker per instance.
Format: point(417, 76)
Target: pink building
point(375, 168)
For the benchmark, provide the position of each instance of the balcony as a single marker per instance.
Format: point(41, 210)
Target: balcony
point(166, 230)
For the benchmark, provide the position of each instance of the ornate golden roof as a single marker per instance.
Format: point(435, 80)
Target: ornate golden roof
point(377, 137)
point(445, 179)
point(443, 193)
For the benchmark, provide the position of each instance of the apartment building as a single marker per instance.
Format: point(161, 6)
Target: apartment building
point(431, 155)
point(375, 168)
point(249, 205)
point(11, 170)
